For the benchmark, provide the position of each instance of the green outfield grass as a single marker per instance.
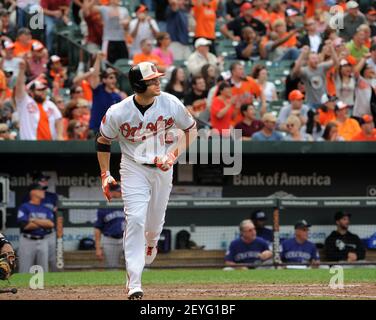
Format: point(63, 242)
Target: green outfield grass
point(171, 277)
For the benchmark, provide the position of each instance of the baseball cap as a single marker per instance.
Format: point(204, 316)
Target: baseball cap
point(8, 45)
point(296, 95)
point(344, 62)
point(141, 8)
point(258, 215)
point(37, 46)
point(3, 127)
point(38, 175)
point(38, 85)
point(340, 214)
point(269, 117)
point(55, 58)
point(290, 12)
point(352, 5)
point(245, 6)
point(202, 42)
point(341, 105)
point(302, 224)
point(149, 71)
point(326, 98)
point(371, 11)
point(36, 186)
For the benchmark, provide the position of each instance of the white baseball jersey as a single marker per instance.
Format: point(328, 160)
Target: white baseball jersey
point(143, 137)
point(28, 114)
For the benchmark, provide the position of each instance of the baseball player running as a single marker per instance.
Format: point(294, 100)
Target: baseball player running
point(143, 123)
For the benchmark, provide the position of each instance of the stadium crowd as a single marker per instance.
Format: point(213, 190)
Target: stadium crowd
point(277, 70)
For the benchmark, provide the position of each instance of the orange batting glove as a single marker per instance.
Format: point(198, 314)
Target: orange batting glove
point(166, 162)
point(107, 181)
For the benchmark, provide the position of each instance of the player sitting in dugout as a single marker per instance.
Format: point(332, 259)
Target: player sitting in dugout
point(248, 248)
point(299, 249)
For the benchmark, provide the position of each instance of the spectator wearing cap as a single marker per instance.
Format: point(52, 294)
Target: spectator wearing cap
point(296, 107)
point(314, 73)
point(178, 28)
point(356, 46)
point(294, 132)
point(345, 83)
point(280, 45)
point(55, 11)
point(268, 132)
point(142, 27)
point(108, 233)
point(37, 61)
point(36, 223)
point(250, 124)
point(105, 92)
point(352, 20)
point(299, 249)
point(368, 132)
point(249, 46)
point(365, 85)
point(326, 110)
point(248, 248)
point(347, 127)
point(224, 109)
point(341, 244)
point(49, 201)
point(233, 29)
point(259, 219)
point(372, 59)
point(201, 56)
point(311, 36)
point(147, 55)
point(57, 75)
point(8, 29)
point(39, 118)
point(204, 13)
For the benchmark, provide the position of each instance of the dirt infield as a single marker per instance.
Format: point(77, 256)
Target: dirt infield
point(197, 292)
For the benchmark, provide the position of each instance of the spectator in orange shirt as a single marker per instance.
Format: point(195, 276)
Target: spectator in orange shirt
point(277, 13)
point(3, 86)
point(204, 12)
point(224, 109)
point(347, 127)
point(326, 110)
point(368, 132)
point(147, 55)
point(24, 42)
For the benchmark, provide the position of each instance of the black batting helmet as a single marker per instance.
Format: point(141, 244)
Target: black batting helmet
point(140, 73)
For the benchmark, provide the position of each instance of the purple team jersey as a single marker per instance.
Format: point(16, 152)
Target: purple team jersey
point(292, 251)
point(241, 252)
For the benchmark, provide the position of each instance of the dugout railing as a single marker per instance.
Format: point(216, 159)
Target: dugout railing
point(275, 204)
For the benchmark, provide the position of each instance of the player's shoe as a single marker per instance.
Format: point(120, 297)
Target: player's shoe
point(135, 294)
point(150, 254)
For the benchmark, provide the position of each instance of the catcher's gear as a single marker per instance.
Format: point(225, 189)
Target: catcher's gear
point(7, 265)
point(166, 162)
point(107, 181)
point(140, 73)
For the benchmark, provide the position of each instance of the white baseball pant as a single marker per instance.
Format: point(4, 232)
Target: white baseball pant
point(145, 192)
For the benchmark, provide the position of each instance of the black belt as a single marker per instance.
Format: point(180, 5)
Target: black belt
point(30, 237)
point(150, 165)
point(114, 237)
